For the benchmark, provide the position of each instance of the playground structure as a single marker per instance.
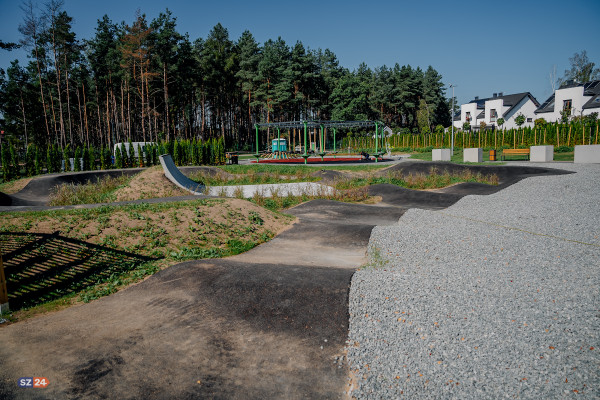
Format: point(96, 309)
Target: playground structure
point(278, 152)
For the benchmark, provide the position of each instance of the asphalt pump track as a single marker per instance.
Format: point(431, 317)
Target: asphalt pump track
point(269, 323)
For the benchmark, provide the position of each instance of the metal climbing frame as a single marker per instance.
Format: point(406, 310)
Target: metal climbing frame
point(322, 125)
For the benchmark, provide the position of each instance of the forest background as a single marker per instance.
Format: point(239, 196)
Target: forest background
point(146, 81)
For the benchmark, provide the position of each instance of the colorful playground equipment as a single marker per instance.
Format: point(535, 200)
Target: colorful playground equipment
point(279, 146)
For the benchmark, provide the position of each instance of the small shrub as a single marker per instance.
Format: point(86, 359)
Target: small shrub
point(564, 149)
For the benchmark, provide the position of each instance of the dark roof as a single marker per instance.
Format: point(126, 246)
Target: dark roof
point(481, 115)
point(547, 106)
point(594, 102)
point(509, 100)
point(592, 89)
point(457, 116)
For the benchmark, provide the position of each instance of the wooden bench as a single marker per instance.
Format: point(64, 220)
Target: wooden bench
point(515, 152)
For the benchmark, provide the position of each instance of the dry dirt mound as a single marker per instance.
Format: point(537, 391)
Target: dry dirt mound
point(149, 184)
point(15, 186)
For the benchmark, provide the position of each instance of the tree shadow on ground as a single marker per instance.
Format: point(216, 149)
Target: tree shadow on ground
point(41, 267)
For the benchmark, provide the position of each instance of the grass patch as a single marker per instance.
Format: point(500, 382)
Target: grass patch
point(421, 181)
point(102, 191)
point(277, 202)
point(564, 156)
point(59, 257)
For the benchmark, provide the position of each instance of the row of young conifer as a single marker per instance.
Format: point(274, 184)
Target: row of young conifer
point(52, 159)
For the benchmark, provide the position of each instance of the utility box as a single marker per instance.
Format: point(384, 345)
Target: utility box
point(279, 145)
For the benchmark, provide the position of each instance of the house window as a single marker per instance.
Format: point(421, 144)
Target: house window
point(567, 104)
point(468, 116)
point(493, 115)
point(529, 119)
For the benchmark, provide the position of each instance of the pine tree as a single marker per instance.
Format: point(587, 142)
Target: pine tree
point(140, 157)
point(118, 158)
point(77, 159)
point(49, 159)
point(66, 156)
point(130, 155)
point(38, 161)
point(176, 153)
point(30, 160)
point(5, 163)
point(102, 158)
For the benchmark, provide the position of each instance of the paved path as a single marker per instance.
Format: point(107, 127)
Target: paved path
point(270, 323)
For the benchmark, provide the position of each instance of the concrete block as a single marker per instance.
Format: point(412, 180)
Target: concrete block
point(541, 153)
point(441, 155)
point(474, 154)
point(587, 154)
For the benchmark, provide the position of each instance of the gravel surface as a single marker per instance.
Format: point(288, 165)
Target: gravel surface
point(494, 297)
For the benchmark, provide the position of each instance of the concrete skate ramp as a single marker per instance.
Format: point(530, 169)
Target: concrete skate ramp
point(174, 175)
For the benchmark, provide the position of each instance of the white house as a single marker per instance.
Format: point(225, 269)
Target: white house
point(498, 106)
point(577, 98)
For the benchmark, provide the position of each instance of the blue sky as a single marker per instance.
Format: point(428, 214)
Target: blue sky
point(482, 47)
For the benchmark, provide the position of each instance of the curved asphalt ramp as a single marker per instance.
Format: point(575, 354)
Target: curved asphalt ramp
point(269, 323)
point(174, 175)
point(37, 191)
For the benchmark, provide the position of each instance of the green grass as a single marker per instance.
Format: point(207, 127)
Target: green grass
point(432, 180)
point(567, 156)
point(295, 169)
point(90, 193)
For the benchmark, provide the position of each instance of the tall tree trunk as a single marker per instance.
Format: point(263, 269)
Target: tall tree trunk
point(100, 135)
point(166, 92)
point(56, 132)
point(128, 110)
point(143, 101)
point(87, 130)
point(58, 89)
point(122, 109)
point(203, 106)
point(24, 120)
point(148, 106)
point(108, 130)
point(80, 115)
point(68, 103)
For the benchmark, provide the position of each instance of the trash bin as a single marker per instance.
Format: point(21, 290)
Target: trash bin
point(234, 158)
point(492, 155)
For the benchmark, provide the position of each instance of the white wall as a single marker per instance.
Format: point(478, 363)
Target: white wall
point(494, 104)
point(469, 107)
point(135, 147)
point(560, 95)
point(526, 107)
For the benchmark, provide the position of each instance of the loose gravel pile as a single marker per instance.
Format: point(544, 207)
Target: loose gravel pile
point(494, 297)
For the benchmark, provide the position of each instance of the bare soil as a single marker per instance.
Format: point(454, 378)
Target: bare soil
point(210, 223)
point(14, 186)
point(149, 184)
